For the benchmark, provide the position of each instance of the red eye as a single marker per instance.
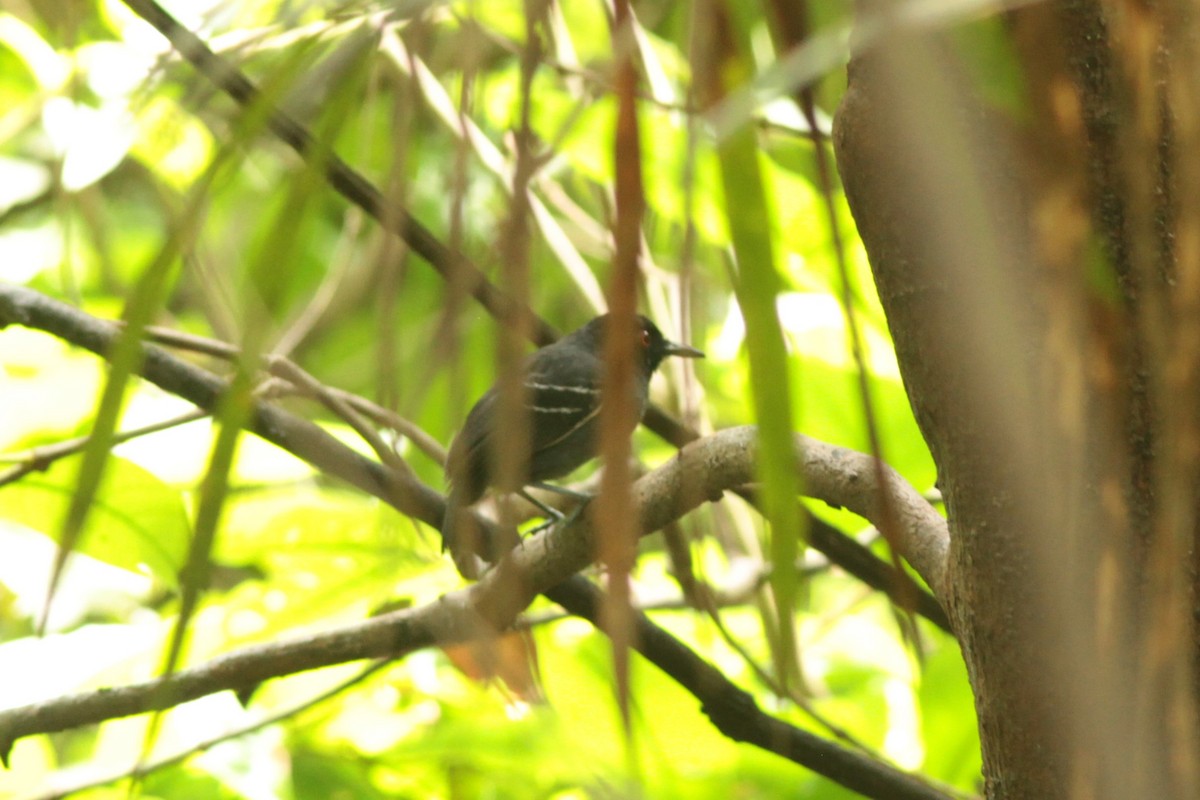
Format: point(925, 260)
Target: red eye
point(645, 338)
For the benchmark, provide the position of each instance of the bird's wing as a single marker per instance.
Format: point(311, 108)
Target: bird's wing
point(564, 395)
point(466, 466)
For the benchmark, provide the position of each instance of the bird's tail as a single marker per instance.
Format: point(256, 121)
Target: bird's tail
point(462, 534)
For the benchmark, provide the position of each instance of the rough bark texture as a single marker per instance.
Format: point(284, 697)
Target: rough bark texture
point(1034, 388)
point(924, 263)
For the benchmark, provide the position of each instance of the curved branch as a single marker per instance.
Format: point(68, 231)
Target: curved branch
point(699, 473)
point(458, 616)
point(705, 468)
point(842, 550)
point(302, 438)
point(734, 712)
point(69, 781)
point(40, 458)
point(923, 534)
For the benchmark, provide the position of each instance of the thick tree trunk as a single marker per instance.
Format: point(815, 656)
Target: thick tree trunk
point(1031, 387)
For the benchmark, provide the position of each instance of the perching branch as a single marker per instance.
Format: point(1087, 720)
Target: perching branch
point(734, 713)
point(702, 471)
point(70, 781)
point(843, 478)
point(40, 458)
point(358, 190)
point(466, 614)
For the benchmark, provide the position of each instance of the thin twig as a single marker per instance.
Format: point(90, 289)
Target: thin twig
point(39, 459)
point(67, 789)
point(699, 473)
point(347, 406)
point(839, 548)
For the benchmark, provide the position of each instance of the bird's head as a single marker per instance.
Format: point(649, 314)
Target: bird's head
point(654, 346)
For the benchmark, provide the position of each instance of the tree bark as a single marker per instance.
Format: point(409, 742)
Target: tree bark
point(1030, 387)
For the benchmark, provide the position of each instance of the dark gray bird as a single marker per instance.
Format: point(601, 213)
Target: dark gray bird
point(562, 385)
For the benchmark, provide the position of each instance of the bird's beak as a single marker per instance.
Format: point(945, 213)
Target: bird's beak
point(682, 350)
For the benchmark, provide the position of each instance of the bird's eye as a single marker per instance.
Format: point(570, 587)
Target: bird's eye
point(645, 338)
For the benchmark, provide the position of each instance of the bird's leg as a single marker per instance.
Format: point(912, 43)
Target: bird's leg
point(553, 515)
point(584, 499)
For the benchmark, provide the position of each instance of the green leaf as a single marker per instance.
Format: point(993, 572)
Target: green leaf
point(948, 723)
point(757, 284)
point(136, 521)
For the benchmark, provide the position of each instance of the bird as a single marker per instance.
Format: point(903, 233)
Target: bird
point(562, 386)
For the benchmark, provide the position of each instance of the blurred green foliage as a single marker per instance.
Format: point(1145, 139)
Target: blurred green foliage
point(103, 137)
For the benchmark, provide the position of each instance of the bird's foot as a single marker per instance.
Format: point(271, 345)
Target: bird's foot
point(553, 515)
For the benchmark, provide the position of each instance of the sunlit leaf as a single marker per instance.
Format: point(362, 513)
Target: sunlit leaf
point(136, 521)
